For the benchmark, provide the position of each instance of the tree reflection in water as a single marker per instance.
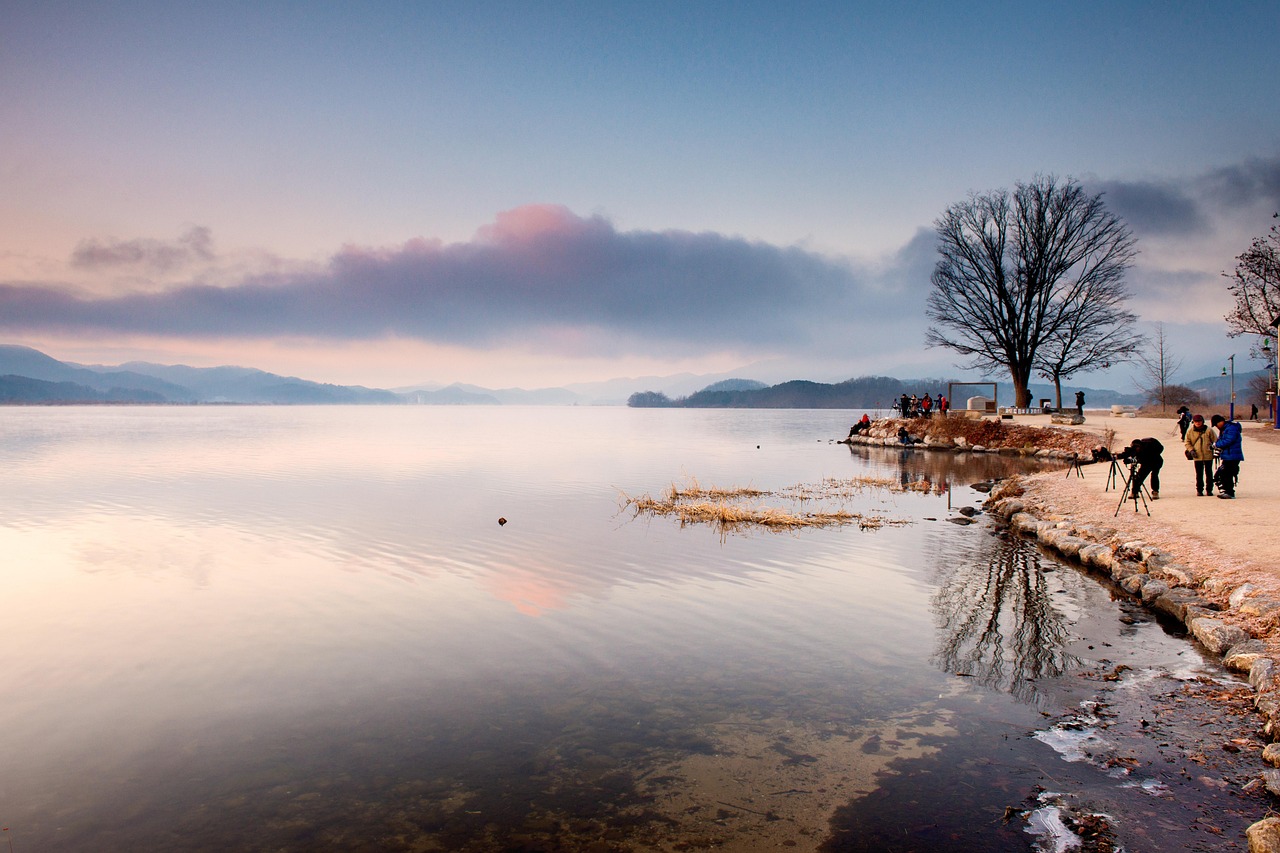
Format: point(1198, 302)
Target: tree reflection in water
point(996, 620)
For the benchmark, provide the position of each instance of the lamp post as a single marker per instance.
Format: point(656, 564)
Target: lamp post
point(1275, 324)
point(1232, 358)
point(1267, 354)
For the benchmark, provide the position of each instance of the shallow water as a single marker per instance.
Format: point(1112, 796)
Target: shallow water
point(303, 628)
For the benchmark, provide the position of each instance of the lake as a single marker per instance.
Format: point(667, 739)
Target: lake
point(303, 628)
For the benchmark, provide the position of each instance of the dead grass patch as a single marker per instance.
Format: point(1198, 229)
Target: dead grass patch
point(731, 509)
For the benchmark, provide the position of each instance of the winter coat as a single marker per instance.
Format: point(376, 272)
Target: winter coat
point(1200, 442)
point(1228, 443)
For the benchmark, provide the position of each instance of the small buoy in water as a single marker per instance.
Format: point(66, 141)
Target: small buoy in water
point(501, 521)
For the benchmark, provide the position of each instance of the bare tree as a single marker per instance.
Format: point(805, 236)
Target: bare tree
point(1097, 333)
point(1255, 286)
point(1158, 366)
point(1015, 271)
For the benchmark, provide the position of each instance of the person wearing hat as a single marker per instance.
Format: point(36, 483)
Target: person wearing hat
point(1231, 452)
point(1147, 452)
point(1199, 444)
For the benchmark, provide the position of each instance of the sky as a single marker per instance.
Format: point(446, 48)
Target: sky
point(517, 194)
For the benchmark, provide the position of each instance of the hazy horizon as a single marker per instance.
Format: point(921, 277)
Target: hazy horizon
point(541, 196)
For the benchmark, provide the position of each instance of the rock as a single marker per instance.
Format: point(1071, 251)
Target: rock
point(1176, 573)
point(960, 519)
point(967, 511)
point(1133, 583)
point(1240, 593)
point(1271, 754)
point(1242, 656)
point(1155, 558)
point(1012, 506)
point(1217, 636)
point(1176, 601)
point(1216, 584)
point(1097, 556)
point(1153, 589)
point(1272, 779)
point(978, 448)
point(1070, 546)
point(1264, 836)
point(1123, 569)
point(1258, 606)
point(1262, 675)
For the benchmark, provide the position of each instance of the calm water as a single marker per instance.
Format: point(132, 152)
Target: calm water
point(304, 628)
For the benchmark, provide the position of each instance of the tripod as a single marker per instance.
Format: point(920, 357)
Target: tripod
point(1115, 476)
point(1126, 475)
point(1075, 466)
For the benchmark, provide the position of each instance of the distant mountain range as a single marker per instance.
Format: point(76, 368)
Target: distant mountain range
point(28, 376)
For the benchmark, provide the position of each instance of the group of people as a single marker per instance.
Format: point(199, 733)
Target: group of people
point(921, 407)
point(1203, 443)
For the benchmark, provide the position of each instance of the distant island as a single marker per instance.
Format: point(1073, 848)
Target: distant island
point(30, 377)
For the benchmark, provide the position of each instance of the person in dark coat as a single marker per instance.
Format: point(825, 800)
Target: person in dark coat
point(1147, 452)
point(1184, 421)
point(1230, 453)
point(1080, 403)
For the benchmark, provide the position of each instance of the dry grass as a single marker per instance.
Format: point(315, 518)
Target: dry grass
point(732, 509)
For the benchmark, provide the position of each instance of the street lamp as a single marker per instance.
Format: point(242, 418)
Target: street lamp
point(1266, 355)
point(1232, 358)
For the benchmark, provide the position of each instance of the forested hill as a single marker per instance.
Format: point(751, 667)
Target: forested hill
point(866, 392)
point(869, 392)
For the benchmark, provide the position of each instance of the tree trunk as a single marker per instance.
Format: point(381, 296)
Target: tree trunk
point(1021, 393)
point(1057, 392)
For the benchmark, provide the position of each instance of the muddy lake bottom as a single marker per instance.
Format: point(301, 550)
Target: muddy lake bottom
point(304, 629)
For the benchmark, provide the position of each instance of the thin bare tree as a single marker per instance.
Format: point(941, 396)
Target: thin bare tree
point(1015, 272)
point(1158, 367)
point(1255, 286)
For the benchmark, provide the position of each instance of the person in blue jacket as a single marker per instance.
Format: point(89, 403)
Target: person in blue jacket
point(1231, 454)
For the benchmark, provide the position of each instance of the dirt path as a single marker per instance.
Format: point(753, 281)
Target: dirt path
point(1232, 539)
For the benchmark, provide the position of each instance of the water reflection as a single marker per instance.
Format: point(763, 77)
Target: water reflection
point(941, 469)
point(997, 620)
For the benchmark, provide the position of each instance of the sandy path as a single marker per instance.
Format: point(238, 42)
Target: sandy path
point(1232, 539)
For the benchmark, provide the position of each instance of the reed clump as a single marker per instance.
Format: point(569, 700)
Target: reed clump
point(728, 509)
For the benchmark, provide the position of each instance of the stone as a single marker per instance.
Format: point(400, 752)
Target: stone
point(1153, 589)
point(1176, 573)
point(1097, 556)
point(1214, 634)
point(1013, 505)
point(1264, 836)
point(1240, 593)
point(1122, 570)
point(1133, 583)
point(1242, 656)
point(1155, 558)
point(1271, 754)
point(1262, 675)
point(1176, 601)
point(1258, 606)
point(1272, 780)
point(1070, 546)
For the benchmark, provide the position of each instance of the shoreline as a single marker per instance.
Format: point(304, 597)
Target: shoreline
point(1212, 565)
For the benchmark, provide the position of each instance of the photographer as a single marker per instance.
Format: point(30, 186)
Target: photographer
point(1230, 453)
point(1146, 454)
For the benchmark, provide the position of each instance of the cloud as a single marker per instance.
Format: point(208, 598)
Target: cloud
point(1253, 182)
point(1191, 206)
point(1152, 208)
point(537, 275)
point(148, 255)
